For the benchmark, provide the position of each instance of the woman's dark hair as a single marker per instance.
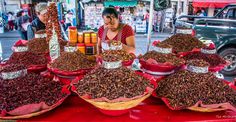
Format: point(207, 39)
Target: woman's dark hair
point(10, 13)
point(110, 11)
point(19, 13)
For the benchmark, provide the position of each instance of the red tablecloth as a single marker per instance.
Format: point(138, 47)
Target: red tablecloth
point(151, 110)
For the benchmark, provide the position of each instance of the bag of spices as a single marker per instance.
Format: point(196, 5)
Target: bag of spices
point(196, 89)
point(113, 91)
point(33, 93)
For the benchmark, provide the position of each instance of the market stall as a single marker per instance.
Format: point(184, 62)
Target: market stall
point(131, 13)
point(74, 109)
point(169, 83)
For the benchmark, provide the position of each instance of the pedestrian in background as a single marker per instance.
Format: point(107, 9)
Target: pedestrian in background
point(39, 22)
point(203, 13)
point(146, 18)
point(11, 20)
point(22, 23)
point(69, 19)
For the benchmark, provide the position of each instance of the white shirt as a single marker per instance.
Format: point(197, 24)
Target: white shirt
point(10, 17)
point(68, 18)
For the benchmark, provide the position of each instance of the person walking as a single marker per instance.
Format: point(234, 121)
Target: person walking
point(146, 18)
point(203, 13)
point(22, 24)
point(11, 20)
point(69, 19)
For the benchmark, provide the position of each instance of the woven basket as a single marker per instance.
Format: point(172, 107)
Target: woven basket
point(201, 109)
point(35, 113)
point(117, 105)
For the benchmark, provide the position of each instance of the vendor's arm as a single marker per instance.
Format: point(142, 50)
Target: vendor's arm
point(130, 44)
point(99, 47)
point(128, 33)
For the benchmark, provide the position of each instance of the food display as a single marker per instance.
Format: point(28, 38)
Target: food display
point(12, 68)
point(27, 58)
point(112, 84)
point(184, 89)
point(198, 63)
point(163, 45)
point(121, 54)
point(31, 89)
point(213, 59)
point(72, 61)
point(158, 58)
point(38, 45)
point(179, 68)
point(110, 58)
point(183, 42)
point(28, 89)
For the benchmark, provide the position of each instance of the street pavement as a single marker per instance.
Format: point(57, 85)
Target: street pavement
point(9, 38)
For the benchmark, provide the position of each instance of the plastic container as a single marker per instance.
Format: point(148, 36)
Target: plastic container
point(81, 48)
point(80, 37)
point(87, 38)
point(72, 34)
point(94, 38)
point(90, 49)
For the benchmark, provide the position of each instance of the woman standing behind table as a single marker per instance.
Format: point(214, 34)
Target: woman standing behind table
point(113, 30)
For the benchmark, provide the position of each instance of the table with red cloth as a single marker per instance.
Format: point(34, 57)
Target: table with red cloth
point(150, 110)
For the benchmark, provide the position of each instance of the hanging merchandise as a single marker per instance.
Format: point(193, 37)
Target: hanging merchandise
point(93, 15)
point(54, 47)
point(53, 31)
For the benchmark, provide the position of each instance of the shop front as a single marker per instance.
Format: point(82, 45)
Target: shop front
point(211, 5)
point(131, 12)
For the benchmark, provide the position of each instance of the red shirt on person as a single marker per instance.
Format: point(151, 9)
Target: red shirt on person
point(127, 31)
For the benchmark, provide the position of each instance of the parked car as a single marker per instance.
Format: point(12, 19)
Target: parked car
point(221, 29)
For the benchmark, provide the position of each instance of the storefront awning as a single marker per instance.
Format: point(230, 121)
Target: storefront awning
point(212, 3)
point(120, 3)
